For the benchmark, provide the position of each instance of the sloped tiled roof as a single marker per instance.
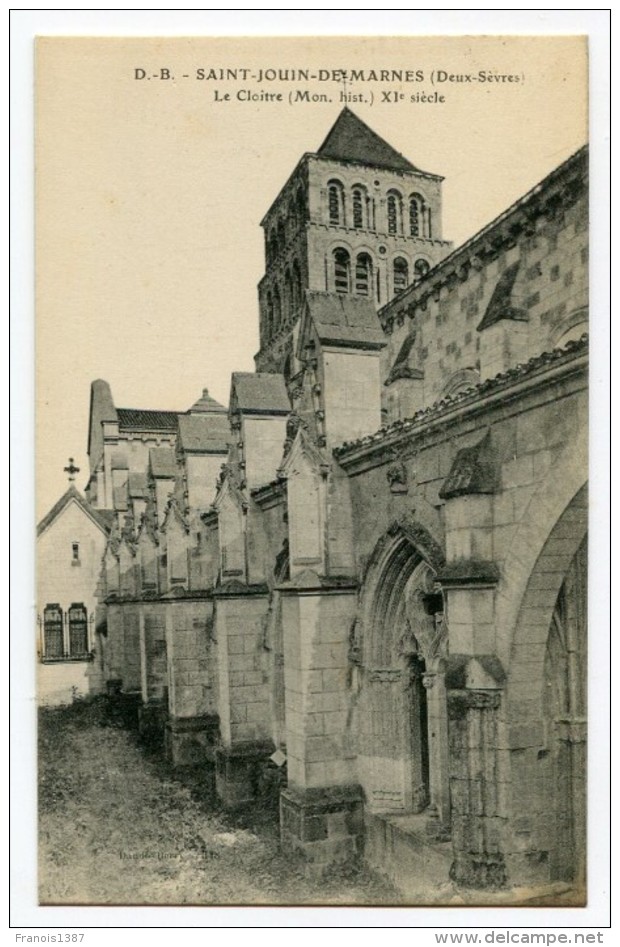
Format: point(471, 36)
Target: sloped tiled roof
point(103, 518)
point(350, 140)
point(137, 484)
point(260, 392)
point(138, 419)
point(162, 461)
point(204, 433)
point(348, 320)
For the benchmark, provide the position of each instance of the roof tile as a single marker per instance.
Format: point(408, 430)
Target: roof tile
point(138, 419)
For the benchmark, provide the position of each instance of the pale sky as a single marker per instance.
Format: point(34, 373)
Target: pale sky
point(150, 193)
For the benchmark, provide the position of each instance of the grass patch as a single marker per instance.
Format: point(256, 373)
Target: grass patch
point(120, 826)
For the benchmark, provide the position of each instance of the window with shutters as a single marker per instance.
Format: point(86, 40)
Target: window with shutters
point(419, 217)
point(359, 207)
point(401, 274)
point(78, 630)
point(53, 626)
point(414, 215)
point(335, 200)
point(363, 275)
point(342, 271)
point(394, 212)
point(421, 268)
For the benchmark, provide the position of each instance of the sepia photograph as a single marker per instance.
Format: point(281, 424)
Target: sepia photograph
point(312, 470)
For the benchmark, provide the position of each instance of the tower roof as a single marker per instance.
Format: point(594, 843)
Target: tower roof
point(351, 140)
point(207, 405)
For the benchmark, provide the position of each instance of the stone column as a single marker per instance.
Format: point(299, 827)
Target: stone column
point(477, 827)
point(191, 724)
point(244, 700)
point(114, 648)
point(154, 707)
point(474, 675)
point(438, 825)
point(321, 810)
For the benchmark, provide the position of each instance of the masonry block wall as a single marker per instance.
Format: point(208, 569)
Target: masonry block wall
point(243, 686)
point(132, 676)
point(546, 238)
point(316, 629)
point(190, 686)
point(154, 659)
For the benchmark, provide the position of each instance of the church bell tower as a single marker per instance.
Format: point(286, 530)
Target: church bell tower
point(355, 218)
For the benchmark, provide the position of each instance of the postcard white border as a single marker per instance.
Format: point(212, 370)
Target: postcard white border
point(25, 24)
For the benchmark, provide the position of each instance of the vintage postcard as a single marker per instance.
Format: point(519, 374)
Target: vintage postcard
point(312, 413)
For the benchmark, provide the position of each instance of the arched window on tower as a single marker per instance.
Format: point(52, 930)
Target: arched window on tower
point(429, 224)
point(297, 291)
point(292, 215)
point(421, 268)
point(277, 310)
point(417, 216)
point(269, 316)
point(273, 246)
point(281, 237)
point(300, 200)
point(288, 295)
point(359, 201)
point(394, 212)
point(401, 274)
point(363, 275)
point(342, 271)
point(335, 200)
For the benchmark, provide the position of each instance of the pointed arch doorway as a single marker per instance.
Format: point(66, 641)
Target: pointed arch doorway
point(401, 722)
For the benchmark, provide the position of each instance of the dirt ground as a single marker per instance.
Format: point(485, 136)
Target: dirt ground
point(118, 826)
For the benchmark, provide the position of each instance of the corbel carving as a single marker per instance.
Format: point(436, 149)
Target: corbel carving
point(396, 475)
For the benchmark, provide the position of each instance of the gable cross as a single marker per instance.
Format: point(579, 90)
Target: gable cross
point(71, 470)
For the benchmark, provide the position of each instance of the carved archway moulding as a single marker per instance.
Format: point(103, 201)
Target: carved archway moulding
point(418, 537)
point(405, 549)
